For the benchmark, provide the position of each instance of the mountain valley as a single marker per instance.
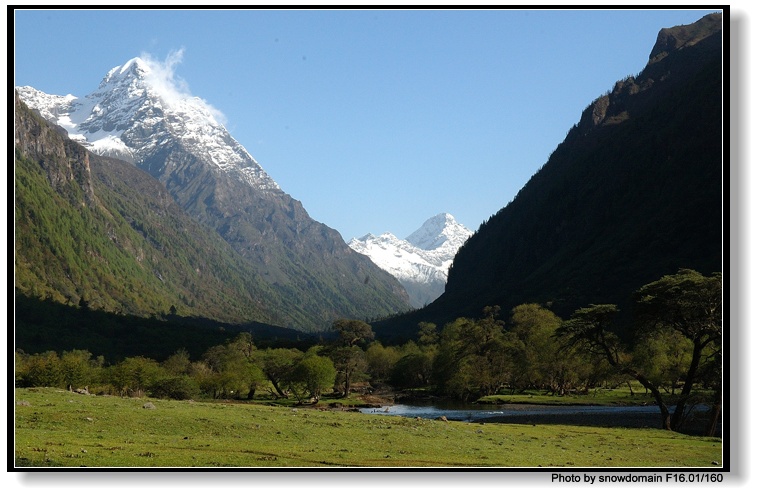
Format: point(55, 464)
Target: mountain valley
point(136, 201)
point(311, 277)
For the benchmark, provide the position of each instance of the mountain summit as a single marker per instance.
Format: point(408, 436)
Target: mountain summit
point(421, 261)
point(441, 234)
point(134, 112)
point(140, 114)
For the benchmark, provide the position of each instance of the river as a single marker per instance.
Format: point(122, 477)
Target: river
point(599, 416)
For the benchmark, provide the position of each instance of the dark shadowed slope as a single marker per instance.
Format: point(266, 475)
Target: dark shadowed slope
point(634, 192)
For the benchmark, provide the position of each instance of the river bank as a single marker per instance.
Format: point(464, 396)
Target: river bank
point(637, 415)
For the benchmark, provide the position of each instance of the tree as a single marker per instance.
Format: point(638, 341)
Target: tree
point(428, 334)
point(588, 329)
point(175, 387)
point(134, 375)
point(447, 370)
point(413, 370)
point(471, 357)
point(664, 358)
point(351, 365)
point(352, 332)
point(533, 350)
point(77, 368)
point(41, 370)
point(311, 377)
point(413, 366)
point(245, 345)
point(20, 368)
point(178, 363)
point(381, 360)
point(348, 356)
point(254, 375)
point(234, 372)
point(691, 304)
point(277, 364)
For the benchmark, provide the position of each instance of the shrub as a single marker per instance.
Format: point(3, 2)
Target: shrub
point(175, 387)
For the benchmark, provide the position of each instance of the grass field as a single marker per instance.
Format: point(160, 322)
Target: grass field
point(58, 428)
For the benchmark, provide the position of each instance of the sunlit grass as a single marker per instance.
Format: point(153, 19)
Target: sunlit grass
point(59, 428)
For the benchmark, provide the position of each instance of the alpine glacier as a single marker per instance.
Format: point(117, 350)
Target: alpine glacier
point(421, 261)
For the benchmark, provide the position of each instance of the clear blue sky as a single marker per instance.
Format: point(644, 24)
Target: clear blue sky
point(375, 120)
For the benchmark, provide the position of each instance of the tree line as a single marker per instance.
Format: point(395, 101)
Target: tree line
point(675, 353)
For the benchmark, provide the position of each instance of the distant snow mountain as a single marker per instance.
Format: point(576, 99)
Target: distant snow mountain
point(421, 261)
point(139, 113)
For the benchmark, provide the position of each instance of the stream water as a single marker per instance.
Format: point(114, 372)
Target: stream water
point(474, 412)
point(597, 416)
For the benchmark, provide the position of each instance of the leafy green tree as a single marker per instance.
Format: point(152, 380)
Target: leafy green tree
point(534, 354)
point(254, 374)
point(381, 360)
point(352, 332)
point(664, 357)
point(348, 355)
point(233, 372)
point(532, 349)
point(243, 342)
point(178, 363)
point(204, 377)
point(42, 369)
point(588, 330)
point(471, 358)
point(712, 375)
point(178, 382)
point(351, 365)
point(447, 377)
point(428, 334)
point(78, 369)
point(691, 304)
point(134, 375)
point(277, 364)
point(414, 369)
point(20, 367)
point(175, 387)
point(311, 377)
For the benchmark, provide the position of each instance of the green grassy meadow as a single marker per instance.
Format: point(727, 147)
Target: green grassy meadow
point(56, 428)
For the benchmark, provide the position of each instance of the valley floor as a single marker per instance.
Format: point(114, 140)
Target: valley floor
point(57, 428)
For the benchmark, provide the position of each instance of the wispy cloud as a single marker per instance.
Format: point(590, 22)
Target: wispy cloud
point(173, 89)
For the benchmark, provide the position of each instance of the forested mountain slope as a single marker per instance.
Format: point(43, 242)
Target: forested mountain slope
point(633, 192)
point(96, 231)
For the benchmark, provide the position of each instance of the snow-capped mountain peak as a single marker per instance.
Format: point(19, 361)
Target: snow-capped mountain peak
point(140, 108)
point(438, 231)
point(421, 261)
point(135, 67)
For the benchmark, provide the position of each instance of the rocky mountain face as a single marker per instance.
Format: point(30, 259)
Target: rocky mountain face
point(421, 261)
point(178, 140)
point(96, 231)
point(634, 192)
point(65, 164)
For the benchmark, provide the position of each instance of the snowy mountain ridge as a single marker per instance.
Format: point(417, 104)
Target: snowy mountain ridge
point(421, 261)
point(134, 111)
